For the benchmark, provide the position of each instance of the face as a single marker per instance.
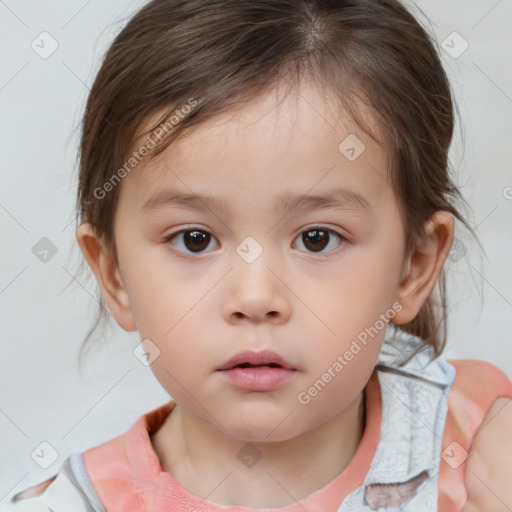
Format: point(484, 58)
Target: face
point(255, 269)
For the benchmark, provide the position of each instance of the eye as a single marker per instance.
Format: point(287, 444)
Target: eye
point(194, 240)
point(316, 238)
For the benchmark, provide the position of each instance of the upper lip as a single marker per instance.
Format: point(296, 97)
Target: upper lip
point(265, 357)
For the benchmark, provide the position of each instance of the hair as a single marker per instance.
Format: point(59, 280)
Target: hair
point(203, 57)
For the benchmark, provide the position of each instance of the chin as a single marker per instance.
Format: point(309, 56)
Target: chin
point(263, 431)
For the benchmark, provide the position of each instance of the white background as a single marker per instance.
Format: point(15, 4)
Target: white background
point(46, 313)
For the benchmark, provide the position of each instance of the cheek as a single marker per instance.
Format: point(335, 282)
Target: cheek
point(356, 306)
point(186, 353)
point(159, 292)
point(334, 389)
point(373, 268)
point(359, 290)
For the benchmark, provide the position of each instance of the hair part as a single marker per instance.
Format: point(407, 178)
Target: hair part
point(223, 54)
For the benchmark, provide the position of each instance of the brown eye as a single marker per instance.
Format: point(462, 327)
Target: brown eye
point(196, 240)
point(317, 239)
point(193, 240)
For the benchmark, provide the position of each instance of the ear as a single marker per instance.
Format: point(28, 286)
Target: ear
point(108, 276)
point(422, 268)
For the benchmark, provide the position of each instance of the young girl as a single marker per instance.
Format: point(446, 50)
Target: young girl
point(264, 196)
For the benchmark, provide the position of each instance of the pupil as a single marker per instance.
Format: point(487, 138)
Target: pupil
point(315, 240)
point(318, 237)
point(195, 240)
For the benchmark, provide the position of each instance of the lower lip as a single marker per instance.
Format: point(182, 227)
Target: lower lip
point(262, 378)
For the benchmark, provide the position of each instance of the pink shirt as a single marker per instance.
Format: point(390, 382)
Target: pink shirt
point(128, 477)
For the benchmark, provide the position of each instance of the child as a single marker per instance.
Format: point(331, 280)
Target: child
point(302, 377)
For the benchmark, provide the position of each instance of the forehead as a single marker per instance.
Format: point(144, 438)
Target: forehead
point(301, 141)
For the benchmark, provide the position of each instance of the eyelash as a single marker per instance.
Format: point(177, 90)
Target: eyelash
point(342, 239)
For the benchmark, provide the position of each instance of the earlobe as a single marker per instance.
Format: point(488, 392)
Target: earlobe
point(108, 276)
point(422, 268)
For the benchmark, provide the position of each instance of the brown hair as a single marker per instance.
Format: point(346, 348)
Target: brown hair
point(219, 54)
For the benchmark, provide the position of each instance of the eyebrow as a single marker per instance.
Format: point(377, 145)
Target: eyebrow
point(336, 198)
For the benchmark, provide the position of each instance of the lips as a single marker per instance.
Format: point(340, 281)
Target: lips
point(257, 372)
point(248, 359)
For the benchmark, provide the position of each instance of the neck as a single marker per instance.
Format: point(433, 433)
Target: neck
point(202, 458)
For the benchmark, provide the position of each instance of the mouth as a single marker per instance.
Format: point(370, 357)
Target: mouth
point(254, 360)
point(258, 372)
point(248, 365)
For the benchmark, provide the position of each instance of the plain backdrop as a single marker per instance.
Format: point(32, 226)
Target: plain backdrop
point(45, 311)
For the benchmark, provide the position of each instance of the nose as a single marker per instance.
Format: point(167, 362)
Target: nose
point(257, 293)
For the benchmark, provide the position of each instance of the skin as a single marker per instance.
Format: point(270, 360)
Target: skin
point(489, 464)
point(200, 309)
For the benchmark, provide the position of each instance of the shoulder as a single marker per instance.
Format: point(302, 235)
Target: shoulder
point(70, 486)
point(489, 463)
point(476, 386)
point(21, 502)
point(479, 375)
point(479, 406)
point(36, 490)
